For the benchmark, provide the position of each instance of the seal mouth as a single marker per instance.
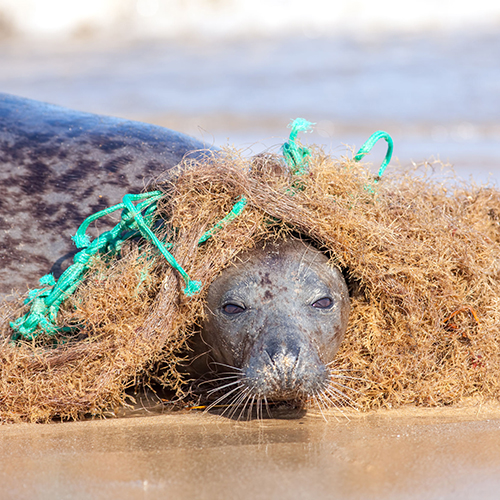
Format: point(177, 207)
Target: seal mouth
point(267, 384)
point(285, 376)
point(238, 395)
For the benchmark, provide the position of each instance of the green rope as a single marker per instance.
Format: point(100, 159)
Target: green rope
point(135, 220)
point(368, 145)
point(236, 210)
point(295, 155)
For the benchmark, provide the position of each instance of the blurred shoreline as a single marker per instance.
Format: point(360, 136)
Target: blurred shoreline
point(434, 87)
point(230, 19)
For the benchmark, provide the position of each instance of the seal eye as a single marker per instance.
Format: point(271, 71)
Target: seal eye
point(323, 303)
point(232, 309)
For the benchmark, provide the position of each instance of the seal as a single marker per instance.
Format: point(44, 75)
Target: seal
point(273, 324)
point(57, 167)
point(274, 320)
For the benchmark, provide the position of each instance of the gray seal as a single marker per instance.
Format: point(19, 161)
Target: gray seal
point(57, 167)
point(274, 322)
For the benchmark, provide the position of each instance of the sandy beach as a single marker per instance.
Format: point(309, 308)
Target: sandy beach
point(430, 453)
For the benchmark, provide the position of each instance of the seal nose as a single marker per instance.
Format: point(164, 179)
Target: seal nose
point(278, 350)
point(289, 368)
point(283, 358)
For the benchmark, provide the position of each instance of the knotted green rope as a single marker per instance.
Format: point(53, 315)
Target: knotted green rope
point(295, 155)
point(135, 221)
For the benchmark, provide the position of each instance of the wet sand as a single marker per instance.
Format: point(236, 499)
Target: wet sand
point(434, 453)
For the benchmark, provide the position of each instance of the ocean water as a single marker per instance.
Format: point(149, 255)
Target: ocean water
point(431, 80)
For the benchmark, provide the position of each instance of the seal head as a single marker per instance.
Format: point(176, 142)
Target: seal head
point(277, 319)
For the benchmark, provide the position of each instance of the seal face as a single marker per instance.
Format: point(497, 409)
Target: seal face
point(276, 319)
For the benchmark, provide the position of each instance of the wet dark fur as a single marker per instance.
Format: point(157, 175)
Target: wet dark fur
point(57, 167)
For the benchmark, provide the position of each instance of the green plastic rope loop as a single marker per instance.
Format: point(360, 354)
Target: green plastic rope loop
point(368, 145)
point(45, 302)
point(296, 156)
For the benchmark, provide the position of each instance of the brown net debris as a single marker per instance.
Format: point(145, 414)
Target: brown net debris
point(421, 257)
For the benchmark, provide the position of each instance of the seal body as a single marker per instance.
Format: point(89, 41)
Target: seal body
point(57, 167)
point(274, 322)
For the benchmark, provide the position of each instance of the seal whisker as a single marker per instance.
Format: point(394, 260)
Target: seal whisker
point(335, 384)
point(222, 398)
point(333, 361)
point(250, 406)
point(317, 397)
point(333, 403)
point(347, 377)
point(237, 401)
point(334, 373)
point(328, 402)
point(250, 399)
point(215, 380)
point(259, 408)
point(219, 400)
point(227, 366)
point(335, 392)
point(245, 400)
point(335, 400)
point(217, 389)
point(227, 376)
point(254, 402)
point(267, 407)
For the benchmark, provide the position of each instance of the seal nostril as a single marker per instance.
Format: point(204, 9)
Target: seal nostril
point(288, 349)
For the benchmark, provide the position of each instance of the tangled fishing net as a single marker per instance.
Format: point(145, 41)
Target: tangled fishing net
point(421, 258)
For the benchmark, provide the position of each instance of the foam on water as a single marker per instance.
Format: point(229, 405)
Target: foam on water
point(174, 18)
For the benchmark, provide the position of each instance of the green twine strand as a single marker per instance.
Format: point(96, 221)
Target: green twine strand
point(236, 210)
point(368, 145)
